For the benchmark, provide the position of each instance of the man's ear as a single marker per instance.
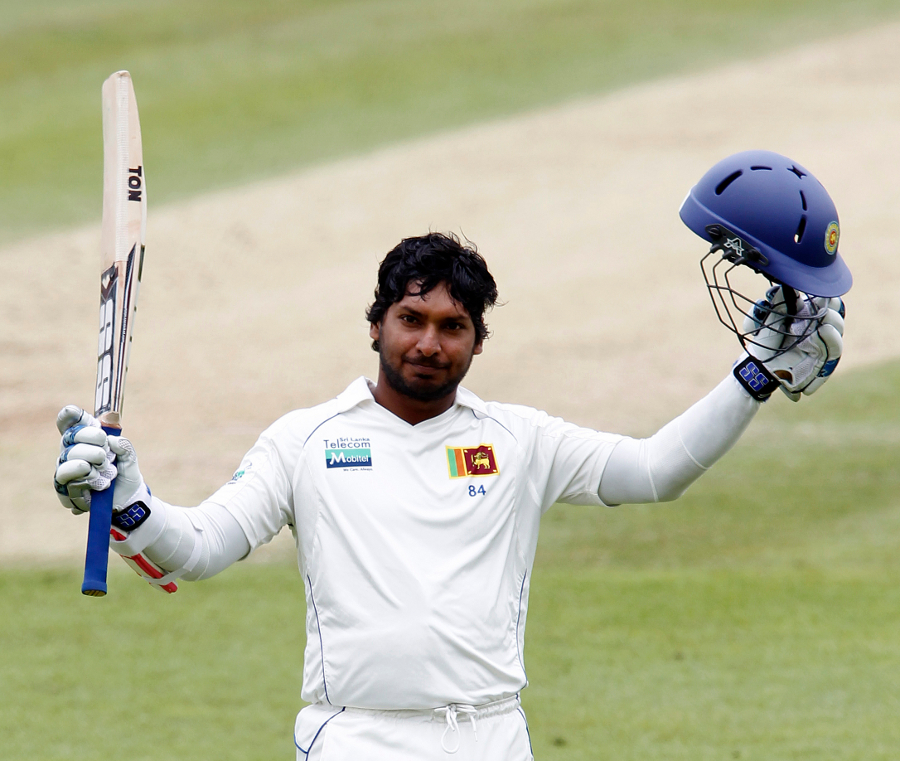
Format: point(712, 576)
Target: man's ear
point(479, 347)
point(374, 330)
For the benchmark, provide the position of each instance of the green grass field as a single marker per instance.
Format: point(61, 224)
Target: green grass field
point(232, 91)
point(757, 618)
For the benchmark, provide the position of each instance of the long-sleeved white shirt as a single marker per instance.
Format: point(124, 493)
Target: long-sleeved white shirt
point(416, 543)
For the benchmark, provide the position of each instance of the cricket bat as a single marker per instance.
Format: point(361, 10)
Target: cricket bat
point(122, 237)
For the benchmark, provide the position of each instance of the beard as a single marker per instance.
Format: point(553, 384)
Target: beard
point(419, 389)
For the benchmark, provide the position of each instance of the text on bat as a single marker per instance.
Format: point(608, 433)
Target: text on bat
point(135, 183)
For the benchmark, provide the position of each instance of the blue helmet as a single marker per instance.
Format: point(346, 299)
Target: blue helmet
point(768, 212)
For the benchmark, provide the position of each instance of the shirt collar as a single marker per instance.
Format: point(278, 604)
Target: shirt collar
point(466, 398)
point(356, 393)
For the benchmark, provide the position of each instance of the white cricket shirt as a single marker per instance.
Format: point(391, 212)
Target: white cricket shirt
point(416, 543)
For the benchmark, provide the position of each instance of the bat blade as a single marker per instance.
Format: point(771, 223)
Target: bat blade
point(122, 236)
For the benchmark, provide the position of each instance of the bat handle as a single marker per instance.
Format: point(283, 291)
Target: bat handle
point(96, 559)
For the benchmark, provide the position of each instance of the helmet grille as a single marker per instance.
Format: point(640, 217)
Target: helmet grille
point(726, 281)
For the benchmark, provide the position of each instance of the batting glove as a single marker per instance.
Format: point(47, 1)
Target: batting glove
point(798, 350)
point(89, 460)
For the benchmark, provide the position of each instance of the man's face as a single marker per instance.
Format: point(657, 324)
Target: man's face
point(426, 344)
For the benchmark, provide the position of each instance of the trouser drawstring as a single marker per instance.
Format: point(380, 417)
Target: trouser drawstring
point(450, 714)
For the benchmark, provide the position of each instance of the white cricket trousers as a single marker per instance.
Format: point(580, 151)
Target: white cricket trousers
point(492, 732)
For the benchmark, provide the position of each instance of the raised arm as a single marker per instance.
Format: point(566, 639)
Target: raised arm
point(793, 349)
point(161, 542)
point(761, 213)
point(660, 468)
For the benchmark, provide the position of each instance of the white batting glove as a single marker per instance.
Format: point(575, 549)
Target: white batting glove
point(89, 460)
point(799, 351)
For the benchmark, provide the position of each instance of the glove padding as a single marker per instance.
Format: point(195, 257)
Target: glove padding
point(801, 349)
point(89, 460)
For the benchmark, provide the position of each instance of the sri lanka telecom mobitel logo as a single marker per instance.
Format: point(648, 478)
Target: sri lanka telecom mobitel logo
point(348, 453)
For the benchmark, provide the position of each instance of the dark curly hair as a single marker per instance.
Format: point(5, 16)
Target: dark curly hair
point(426, 262)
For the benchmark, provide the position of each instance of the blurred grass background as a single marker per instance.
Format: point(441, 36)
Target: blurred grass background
point(757, 618)
point(234, 91)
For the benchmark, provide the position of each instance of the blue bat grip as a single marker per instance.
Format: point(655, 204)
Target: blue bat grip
point(96, 559)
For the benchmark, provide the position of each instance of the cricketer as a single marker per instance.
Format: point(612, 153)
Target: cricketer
point(415, 505)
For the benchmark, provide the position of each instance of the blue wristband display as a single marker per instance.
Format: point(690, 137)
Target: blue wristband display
point(755, 378)
point(131, 517)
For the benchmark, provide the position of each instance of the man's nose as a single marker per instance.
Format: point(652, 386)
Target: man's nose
point(429, 343)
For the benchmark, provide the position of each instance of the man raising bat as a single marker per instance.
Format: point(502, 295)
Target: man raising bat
point(415, 505)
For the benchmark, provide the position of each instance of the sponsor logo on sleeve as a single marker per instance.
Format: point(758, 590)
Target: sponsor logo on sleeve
point(472, 461)
point(242, 471)
point(350, 453)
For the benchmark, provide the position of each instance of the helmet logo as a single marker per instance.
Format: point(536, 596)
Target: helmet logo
point(832, 235)
point(736, 245)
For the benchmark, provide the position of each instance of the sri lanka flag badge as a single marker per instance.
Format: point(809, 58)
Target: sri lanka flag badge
point(472, 461)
